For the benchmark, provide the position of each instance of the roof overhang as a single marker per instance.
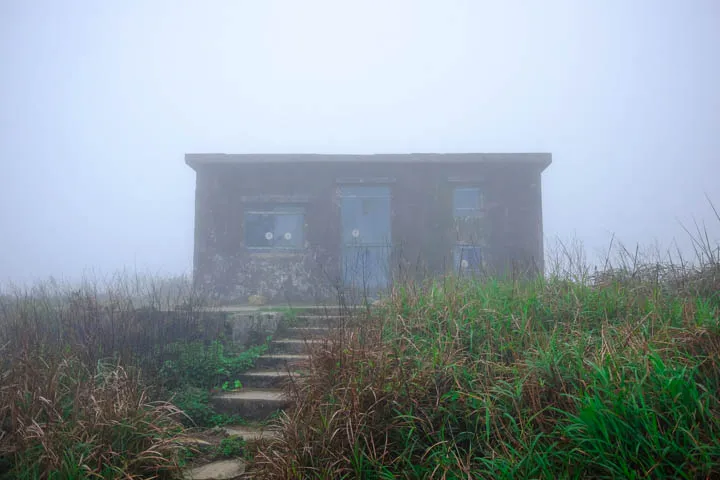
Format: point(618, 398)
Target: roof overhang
point(540, 160)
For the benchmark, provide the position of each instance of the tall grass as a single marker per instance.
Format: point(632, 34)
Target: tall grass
point(127, 317)
point(80, 376)
point(63, 420)
point(580, 374)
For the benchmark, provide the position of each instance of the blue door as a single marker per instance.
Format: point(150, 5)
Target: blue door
point(366, 238)
point(468, 213)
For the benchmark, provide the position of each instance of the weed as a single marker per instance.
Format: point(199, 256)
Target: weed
point(232, 447)
point(207, 366)
point(227, 386)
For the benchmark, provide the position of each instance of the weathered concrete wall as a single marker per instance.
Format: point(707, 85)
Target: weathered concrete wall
point(422, 223)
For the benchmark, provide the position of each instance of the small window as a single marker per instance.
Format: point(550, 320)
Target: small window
point(279, 227)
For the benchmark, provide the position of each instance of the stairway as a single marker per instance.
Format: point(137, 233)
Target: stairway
point(261, 395)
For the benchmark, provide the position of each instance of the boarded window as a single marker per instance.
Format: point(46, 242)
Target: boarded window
point(280, 227)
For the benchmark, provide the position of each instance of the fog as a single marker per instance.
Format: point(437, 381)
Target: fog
point(99, 101)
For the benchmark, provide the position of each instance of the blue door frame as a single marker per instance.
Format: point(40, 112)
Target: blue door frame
point(366, 236)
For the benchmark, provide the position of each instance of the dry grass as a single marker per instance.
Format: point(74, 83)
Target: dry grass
point(76, 384)
point(62, 420)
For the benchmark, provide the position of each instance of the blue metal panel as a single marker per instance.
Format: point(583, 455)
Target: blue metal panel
point(366, 221)
point(366, 235)
point(468, 259)
point(467, 202)
point(366, 267)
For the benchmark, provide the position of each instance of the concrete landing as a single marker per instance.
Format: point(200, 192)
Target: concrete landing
point(252, 434)
point(222, 470)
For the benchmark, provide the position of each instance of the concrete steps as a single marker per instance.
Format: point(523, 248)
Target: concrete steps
point(281, 361)
point(328, 310)
point(250, 403)
point(306, 332)
point(269, 378)
point(252, 433)
point(317, 320)
point(220, 470)
point(262, 392)
point(234, 468)
point(294, 346)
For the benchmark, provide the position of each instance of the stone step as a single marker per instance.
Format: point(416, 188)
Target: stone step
point(269, 378)
point(250, 403)
point(253, 433)
point(294, 345)
point(306, 332)
point(220, 470)
point(325, 310)
point(281, 361)
point(315, 321)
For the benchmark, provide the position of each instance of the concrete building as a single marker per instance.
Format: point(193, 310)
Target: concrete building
point(306, 228)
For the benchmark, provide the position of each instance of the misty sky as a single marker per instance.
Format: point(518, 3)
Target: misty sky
point(99, 101)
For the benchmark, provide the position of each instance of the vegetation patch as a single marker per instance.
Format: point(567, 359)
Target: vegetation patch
point(104, 383)
point(553, 378)
point(206, 365)
point(61, 420)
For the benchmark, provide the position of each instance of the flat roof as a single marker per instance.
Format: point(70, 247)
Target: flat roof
point(195, 160)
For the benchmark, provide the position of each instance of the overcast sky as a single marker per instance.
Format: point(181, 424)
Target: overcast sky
point(99, 101)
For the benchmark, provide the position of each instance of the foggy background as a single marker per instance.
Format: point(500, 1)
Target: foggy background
point(100, 100)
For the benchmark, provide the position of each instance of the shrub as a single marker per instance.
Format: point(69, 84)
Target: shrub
point(232, 447)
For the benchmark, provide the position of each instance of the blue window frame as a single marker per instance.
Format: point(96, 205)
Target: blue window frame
point(280, 227)
point(467, 210)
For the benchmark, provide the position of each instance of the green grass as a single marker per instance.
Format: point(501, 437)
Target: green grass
point(502, 379)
